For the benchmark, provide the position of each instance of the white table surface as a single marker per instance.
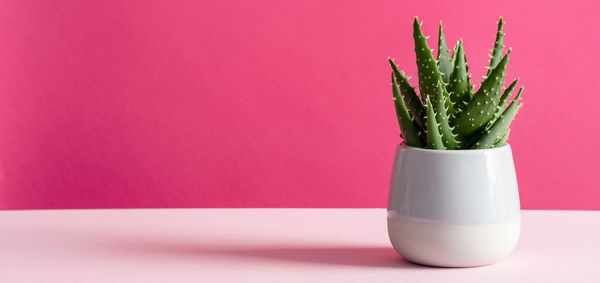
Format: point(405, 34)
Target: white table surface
point(269, 245)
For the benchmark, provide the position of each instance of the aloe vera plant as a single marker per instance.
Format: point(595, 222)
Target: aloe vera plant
point(449, 114)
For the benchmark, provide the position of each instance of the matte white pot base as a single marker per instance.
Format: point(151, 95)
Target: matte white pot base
point(452, 245)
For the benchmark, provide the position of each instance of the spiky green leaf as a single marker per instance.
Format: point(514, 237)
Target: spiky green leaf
point(434, 138)
point(439, 106)
point(460, 87)
point(498, 47)
point(443, 56)
point(449, 104)
point(503, 100)
point(453, 57)
point(481, 108)
point(503, 140)
point(429, 74)
point(500, 126)
point(410, 134)
point(414, 105)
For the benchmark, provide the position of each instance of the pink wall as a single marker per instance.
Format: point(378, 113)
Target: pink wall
point(269, 103)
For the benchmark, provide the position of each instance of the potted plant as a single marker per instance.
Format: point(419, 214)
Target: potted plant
point(453, 198)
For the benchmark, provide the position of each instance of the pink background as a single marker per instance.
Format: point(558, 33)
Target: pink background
point(269, 103)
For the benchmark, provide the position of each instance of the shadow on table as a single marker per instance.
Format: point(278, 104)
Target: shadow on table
point(365, 256)
point(358, 256)
point(349, 256)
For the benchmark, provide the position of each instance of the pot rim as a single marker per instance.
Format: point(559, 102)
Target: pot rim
point(453, 151)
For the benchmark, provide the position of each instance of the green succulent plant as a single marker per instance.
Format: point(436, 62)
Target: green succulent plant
point(449, 114)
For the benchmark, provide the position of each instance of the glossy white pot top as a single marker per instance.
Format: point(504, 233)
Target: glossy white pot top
point(454, 186)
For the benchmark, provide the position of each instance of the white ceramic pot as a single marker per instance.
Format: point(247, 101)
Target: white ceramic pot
point(454, 208)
